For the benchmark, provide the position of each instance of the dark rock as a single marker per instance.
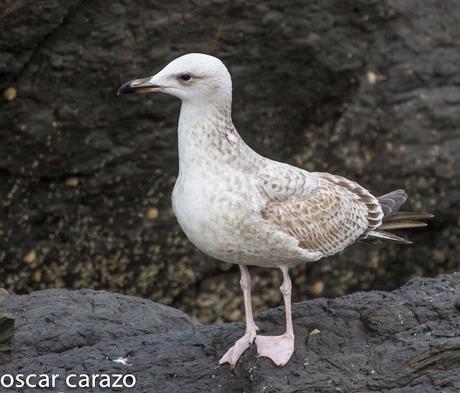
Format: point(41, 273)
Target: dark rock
point(365, 89)
point(404, 341)
point(457, 304)
point(6, 329)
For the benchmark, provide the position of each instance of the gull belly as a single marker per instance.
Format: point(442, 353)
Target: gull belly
point(220, 214)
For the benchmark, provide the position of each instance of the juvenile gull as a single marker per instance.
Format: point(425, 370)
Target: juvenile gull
point(242, 208)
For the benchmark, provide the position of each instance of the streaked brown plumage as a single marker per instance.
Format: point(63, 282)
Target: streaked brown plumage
point(339, 212)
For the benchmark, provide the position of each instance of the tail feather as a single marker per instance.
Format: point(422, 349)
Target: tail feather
point(402, 225)
point(388, 236)
point(403, 216)
point(394, 219)
point(392, 202)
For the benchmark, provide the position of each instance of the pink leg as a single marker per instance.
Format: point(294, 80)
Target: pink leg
point(280, 348)
point(234, 353)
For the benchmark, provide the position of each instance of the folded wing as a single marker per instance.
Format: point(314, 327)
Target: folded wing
point(331, 215)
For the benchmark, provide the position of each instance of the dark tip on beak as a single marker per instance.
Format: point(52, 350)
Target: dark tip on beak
point(126, 89)
point(138, 86)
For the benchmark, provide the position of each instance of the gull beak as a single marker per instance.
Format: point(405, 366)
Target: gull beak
point(144, 85)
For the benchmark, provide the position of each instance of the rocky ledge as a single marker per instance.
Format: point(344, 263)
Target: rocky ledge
point(402, 341)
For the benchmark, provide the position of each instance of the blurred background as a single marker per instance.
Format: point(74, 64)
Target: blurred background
point(365, 89)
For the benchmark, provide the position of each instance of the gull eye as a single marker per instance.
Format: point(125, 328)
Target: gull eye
point(185, 77)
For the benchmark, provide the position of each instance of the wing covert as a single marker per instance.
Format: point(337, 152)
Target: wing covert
point(326, 217)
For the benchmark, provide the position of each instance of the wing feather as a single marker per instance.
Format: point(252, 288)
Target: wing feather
point(375, 213)
point(325, 219)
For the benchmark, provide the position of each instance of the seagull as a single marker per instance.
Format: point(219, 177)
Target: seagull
point(242, 208)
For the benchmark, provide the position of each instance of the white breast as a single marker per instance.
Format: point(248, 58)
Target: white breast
point(209, 211)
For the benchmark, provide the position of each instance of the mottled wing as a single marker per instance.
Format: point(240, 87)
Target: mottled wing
point(374, 209)
point(327, 218)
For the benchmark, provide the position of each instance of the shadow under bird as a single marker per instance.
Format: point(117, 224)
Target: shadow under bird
point(242, 208)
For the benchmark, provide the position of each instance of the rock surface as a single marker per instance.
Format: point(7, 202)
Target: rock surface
point(6, 329)
point(404, 341)
point(366, 89)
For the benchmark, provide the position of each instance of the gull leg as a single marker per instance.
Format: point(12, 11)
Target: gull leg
point(234, 353)
point(280, 348)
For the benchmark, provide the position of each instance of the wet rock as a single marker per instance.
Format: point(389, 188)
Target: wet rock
point(403, 341)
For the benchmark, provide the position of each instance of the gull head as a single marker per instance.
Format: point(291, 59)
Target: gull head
point(194, 78)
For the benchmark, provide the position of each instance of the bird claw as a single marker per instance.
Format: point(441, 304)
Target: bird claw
point(278, 348)
point(234, 353)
